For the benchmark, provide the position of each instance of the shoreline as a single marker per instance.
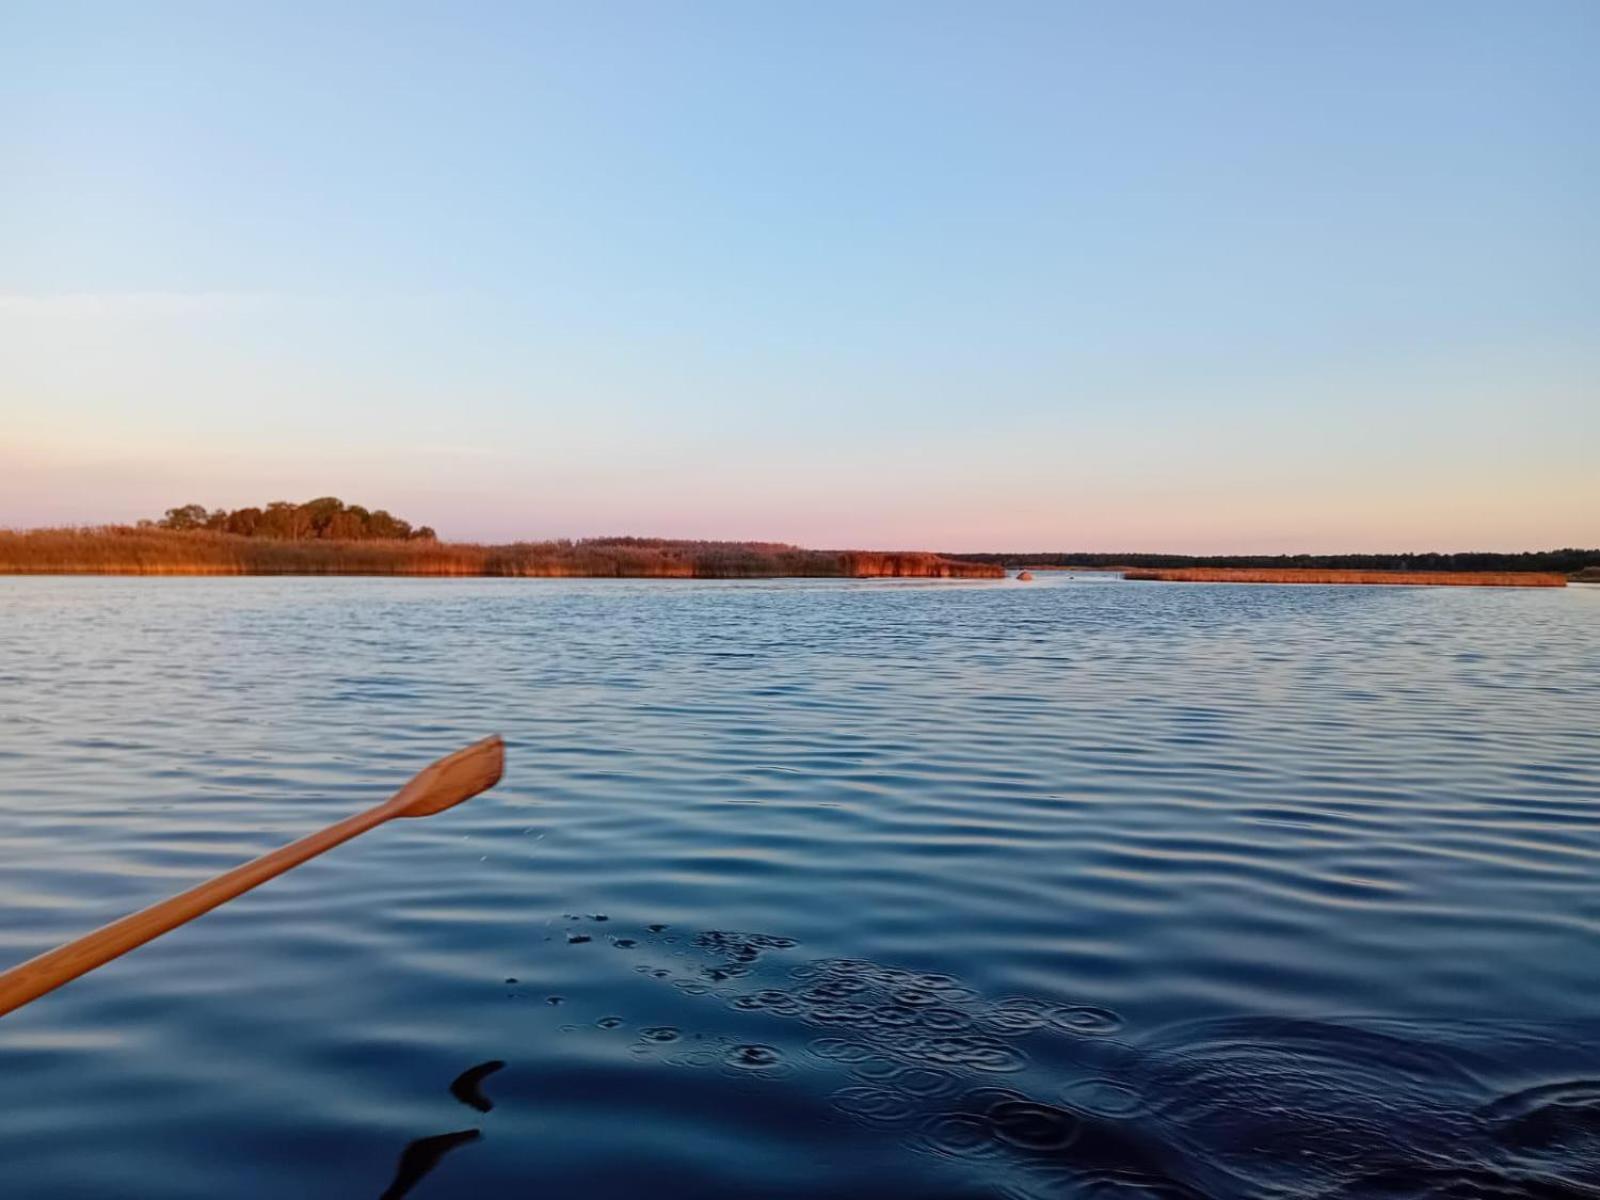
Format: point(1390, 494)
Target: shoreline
point(664, 577)
point(131, 551)
point(1512, 579)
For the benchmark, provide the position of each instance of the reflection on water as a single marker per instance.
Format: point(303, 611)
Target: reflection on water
point(467, 1087)
point(1099, 890)
point(421, 1157)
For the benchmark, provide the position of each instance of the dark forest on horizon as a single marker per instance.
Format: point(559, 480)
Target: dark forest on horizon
point(1566, 561)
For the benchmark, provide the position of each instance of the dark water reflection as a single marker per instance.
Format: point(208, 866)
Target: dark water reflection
point(811, 889)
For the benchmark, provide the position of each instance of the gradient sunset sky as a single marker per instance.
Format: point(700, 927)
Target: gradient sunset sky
point(1123, 275)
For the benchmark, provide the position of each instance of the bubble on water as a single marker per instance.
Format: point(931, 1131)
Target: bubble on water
point(839, 1049)
point(874, 1105)
point(660, 1033)
point(743, 946)
point(944, 1020)
point(875, 1066)
point(1102, 1098)
point(577, 939)
point(907, 1042)
point(753, 1056)
point(839, 1014)
point(957, 1135)
point(554, 1000)
point(772, 999)
point(832, 990)
point(981, 1100)
point(511, 979)
point(895, 1016)
point(694, 1058)
point(1082, 1018)
point(924, 1082)
point(836, 966)
point(657, 928)
point(1017, 1014)
point(958, 995)
point(1029, 1125)
point(624, 943)
point(910, 1040)
point(609, 1022)
point(973, 1052)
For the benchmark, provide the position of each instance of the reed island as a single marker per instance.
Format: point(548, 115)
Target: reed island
point(328, 537)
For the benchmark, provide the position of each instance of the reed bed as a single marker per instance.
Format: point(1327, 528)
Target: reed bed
point(1402, 578)
point(127, 550)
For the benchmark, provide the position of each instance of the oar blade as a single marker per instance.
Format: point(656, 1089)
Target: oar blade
point(452, 779)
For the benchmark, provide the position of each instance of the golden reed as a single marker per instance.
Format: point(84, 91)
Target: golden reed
point(127, 550)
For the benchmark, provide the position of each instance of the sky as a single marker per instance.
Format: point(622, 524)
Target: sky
point(1129, 275)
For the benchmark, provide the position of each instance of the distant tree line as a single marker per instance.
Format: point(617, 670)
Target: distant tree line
point(1568, 561)
point(326, 518)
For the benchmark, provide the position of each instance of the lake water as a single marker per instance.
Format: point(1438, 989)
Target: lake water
point(1078, 888)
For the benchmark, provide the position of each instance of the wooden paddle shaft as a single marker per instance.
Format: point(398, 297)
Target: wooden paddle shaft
point(447, 782)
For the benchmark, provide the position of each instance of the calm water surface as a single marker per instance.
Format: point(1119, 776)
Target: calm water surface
point(881, 889)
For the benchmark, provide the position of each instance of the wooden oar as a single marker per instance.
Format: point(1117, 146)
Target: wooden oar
point(443, 785)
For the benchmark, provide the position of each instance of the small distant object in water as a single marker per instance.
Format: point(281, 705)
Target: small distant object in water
point(1025, 576)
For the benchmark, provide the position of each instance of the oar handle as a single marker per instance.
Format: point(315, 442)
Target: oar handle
point(441, 785)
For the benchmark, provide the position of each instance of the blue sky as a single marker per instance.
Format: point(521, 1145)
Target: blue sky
point(1189, 276)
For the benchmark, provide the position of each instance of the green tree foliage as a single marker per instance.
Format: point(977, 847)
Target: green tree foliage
point(327, 518)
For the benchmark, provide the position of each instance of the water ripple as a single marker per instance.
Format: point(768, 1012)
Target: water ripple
point(1054, 891)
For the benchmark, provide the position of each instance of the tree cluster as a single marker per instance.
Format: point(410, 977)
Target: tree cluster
point(326, 518)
